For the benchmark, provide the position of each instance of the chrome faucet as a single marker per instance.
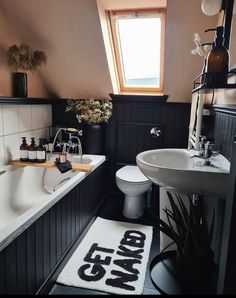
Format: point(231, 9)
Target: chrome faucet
point(2, 172)
point(205, 150)
point(201, 146)
point(71, 144)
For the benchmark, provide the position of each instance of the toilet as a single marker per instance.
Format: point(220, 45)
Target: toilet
point(132, 182)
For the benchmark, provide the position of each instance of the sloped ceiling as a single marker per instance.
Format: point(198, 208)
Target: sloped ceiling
point(69, 32)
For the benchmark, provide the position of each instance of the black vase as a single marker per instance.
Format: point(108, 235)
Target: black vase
point(194, 274)
point(19, 84)
point(93, 139)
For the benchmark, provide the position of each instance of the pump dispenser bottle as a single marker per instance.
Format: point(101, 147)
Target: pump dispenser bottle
point(32, 151)
point(24, 150)
point(41, 152)
point(217, 65)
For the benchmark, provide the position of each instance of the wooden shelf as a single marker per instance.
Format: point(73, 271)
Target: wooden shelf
point(25, 100)
point(50, 164)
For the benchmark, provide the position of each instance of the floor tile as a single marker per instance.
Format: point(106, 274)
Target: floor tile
point(65, 290)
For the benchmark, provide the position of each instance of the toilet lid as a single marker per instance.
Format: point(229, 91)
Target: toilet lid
point(131, 174)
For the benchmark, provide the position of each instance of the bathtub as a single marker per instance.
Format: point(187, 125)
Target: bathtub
point(23, 200)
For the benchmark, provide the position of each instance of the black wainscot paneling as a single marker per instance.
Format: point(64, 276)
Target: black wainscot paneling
point(223, 134)
point(225, 128)
point(133, 138)
point(28, 264)
point(128, 131)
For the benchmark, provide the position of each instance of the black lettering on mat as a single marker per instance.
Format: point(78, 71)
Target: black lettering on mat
point(97, 259)
point(126, 252)
point(128, 264)
point(121, 280)
point(97, 272)
point(133, 238)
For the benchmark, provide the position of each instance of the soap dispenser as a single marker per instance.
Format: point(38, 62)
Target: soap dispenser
point(32, 151)
point(217, 65)
point(24, 150)
point(41, 152)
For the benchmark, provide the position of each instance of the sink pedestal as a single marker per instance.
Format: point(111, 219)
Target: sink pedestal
point(164, 203)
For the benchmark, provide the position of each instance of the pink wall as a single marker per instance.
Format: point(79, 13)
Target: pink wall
point(70, 34)
point(183, 19)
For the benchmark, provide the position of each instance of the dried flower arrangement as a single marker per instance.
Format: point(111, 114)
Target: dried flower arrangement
point(24, 58)
point(90, 110)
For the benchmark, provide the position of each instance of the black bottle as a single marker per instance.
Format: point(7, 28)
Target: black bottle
point(41, 152)
point(32, 151)
point(217, 65)
point(24, 150)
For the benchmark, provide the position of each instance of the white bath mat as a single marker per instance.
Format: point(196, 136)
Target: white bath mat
point(111, 258)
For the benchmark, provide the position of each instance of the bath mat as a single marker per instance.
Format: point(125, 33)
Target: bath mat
point(111, 258)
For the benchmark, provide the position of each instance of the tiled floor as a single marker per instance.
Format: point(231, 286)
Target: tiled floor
point(113, 211)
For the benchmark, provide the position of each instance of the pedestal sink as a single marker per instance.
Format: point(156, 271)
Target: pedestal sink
point(177, 169)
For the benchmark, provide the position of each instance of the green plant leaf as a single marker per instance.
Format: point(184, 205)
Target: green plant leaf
point(183, 210)
point(177, 215)
point(169, 232)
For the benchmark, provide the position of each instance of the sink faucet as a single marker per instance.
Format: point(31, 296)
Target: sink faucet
point(205, 150)
point(2, 172)
point(201, 146)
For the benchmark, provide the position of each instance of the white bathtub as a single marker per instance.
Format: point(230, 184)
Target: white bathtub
point(23, 201)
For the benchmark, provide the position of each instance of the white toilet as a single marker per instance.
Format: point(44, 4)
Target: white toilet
point(131, 181)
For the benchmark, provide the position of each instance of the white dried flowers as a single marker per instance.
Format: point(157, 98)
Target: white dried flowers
point(91, 111)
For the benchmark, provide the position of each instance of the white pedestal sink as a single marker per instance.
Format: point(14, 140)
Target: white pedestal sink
point(175, 169)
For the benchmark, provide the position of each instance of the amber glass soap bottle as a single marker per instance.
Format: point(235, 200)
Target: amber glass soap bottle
point(24, 150)
point(32, 151)
point(41, 152)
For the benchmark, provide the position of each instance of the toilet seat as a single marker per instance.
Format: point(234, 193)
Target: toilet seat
point(131, 174)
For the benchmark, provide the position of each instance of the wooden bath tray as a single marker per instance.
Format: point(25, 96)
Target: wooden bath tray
point(50, 164)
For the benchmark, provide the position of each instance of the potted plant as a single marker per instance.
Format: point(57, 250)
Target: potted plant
point(22, 59)
point(188, 229)
point(92, 113)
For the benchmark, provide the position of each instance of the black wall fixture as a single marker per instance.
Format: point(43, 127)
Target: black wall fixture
point(228, 6)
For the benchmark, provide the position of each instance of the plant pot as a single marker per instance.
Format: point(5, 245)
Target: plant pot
point(195, 274)
point(93, 139)
point(19, 84)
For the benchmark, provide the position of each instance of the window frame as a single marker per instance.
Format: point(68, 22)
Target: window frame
point(117, 54)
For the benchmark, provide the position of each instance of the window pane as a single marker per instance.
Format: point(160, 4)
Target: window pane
point(140, 51)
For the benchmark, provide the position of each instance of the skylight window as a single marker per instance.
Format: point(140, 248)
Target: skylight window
point(138, 46)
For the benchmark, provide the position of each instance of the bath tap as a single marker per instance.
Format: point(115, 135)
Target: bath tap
point(70, 131)
point(71, 145)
